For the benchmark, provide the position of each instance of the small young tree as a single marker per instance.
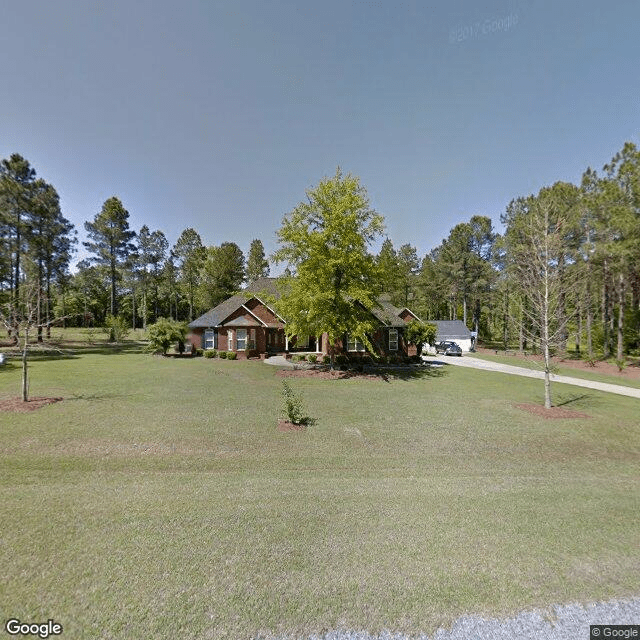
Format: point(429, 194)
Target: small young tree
point(293, 407)
point(23, 318)
point(164, 333)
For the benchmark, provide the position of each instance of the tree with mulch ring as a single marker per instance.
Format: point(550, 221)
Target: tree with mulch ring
point(295, 417)
point(18, 405)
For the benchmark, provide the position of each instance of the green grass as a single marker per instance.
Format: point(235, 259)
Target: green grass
point(584, 374)
point(159, 500)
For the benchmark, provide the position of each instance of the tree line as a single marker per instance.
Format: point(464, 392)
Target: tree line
point(564, 274)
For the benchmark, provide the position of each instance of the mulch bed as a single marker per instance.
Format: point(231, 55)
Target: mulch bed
point(285, 425)
point(16, 405)
point(555, 413)
point(327, 375)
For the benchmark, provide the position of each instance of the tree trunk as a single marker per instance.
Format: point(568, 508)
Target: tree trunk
point(621, 292)
point(589, 320)
point(25, 377)
point(606, 348)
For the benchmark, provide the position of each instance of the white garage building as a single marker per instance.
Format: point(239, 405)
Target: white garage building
point(453, 330)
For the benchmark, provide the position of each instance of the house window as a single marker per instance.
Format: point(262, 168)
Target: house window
point(209, 339)
point(241, 339)
point(393, 339)
point(353, 344)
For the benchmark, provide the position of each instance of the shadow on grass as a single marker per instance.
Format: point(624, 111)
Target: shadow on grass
point(387, 374)
point(61, 351)
point(96, 396)
point(573, 400)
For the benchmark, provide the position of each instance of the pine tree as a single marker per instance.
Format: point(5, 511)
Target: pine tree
point(257, 264)
point(111, 243)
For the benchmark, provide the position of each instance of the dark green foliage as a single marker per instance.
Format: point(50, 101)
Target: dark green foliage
point(221, 274)
point(164, 333)
point(210, 353)
point(257, 265)
point(111, 242)
point(293, 407)
point(420, 333)
point(312, 358)
point(222, 354)
point(231, 355)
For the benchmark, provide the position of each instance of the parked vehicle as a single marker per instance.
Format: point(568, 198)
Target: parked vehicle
point(449, 348)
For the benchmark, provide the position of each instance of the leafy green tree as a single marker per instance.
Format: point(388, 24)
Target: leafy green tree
point(164, 333)
point(420, 333)
point(110, 242)
point(335, 279)
point(257, 264)
point(221, 275)
point(189, 253)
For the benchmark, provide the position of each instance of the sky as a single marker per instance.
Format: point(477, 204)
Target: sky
point(220, 115)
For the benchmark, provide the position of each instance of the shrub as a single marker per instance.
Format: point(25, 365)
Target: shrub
point(231, 355)
point(326, 359)
point(116, 327)
point(209, 353)
point(164, 333)
point(341, 360)
point(621, 363)
point(222, 354)
point(292, 404)
point(312, 358)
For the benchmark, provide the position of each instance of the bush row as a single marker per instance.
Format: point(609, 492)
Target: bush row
point(227, 355)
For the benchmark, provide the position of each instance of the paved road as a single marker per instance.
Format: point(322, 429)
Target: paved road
point(476, 363)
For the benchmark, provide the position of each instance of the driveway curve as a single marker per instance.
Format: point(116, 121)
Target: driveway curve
point(476, 363)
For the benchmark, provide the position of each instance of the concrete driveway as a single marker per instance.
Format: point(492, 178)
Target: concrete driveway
point(476, 363)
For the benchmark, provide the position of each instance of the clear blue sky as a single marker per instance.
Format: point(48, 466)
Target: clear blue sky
point(218, 115)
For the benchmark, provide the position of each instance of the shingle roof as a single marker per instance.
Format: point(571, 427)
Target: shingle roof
point(215, 316)
point(264, 285)
point(386, 313)
point(451, 329)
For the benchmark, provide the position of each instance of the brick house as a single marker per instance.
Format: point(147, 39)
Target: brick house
point(246, 324)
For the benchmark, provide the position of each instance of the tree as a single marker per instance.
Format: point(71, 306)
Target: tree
point(334, 279)
point(51, 245)
point(164, 333)
point(387, 262)
point(221, 275)
point(111, 242)
point(189, 253)
point(16, 187)
point(408, 269)
point(535, 241)
point(257, 264)
point(152, 249)
point(420, 333)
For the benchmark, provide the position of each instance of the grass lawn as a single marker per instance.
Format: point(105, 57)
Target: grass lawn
point(159, 500)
